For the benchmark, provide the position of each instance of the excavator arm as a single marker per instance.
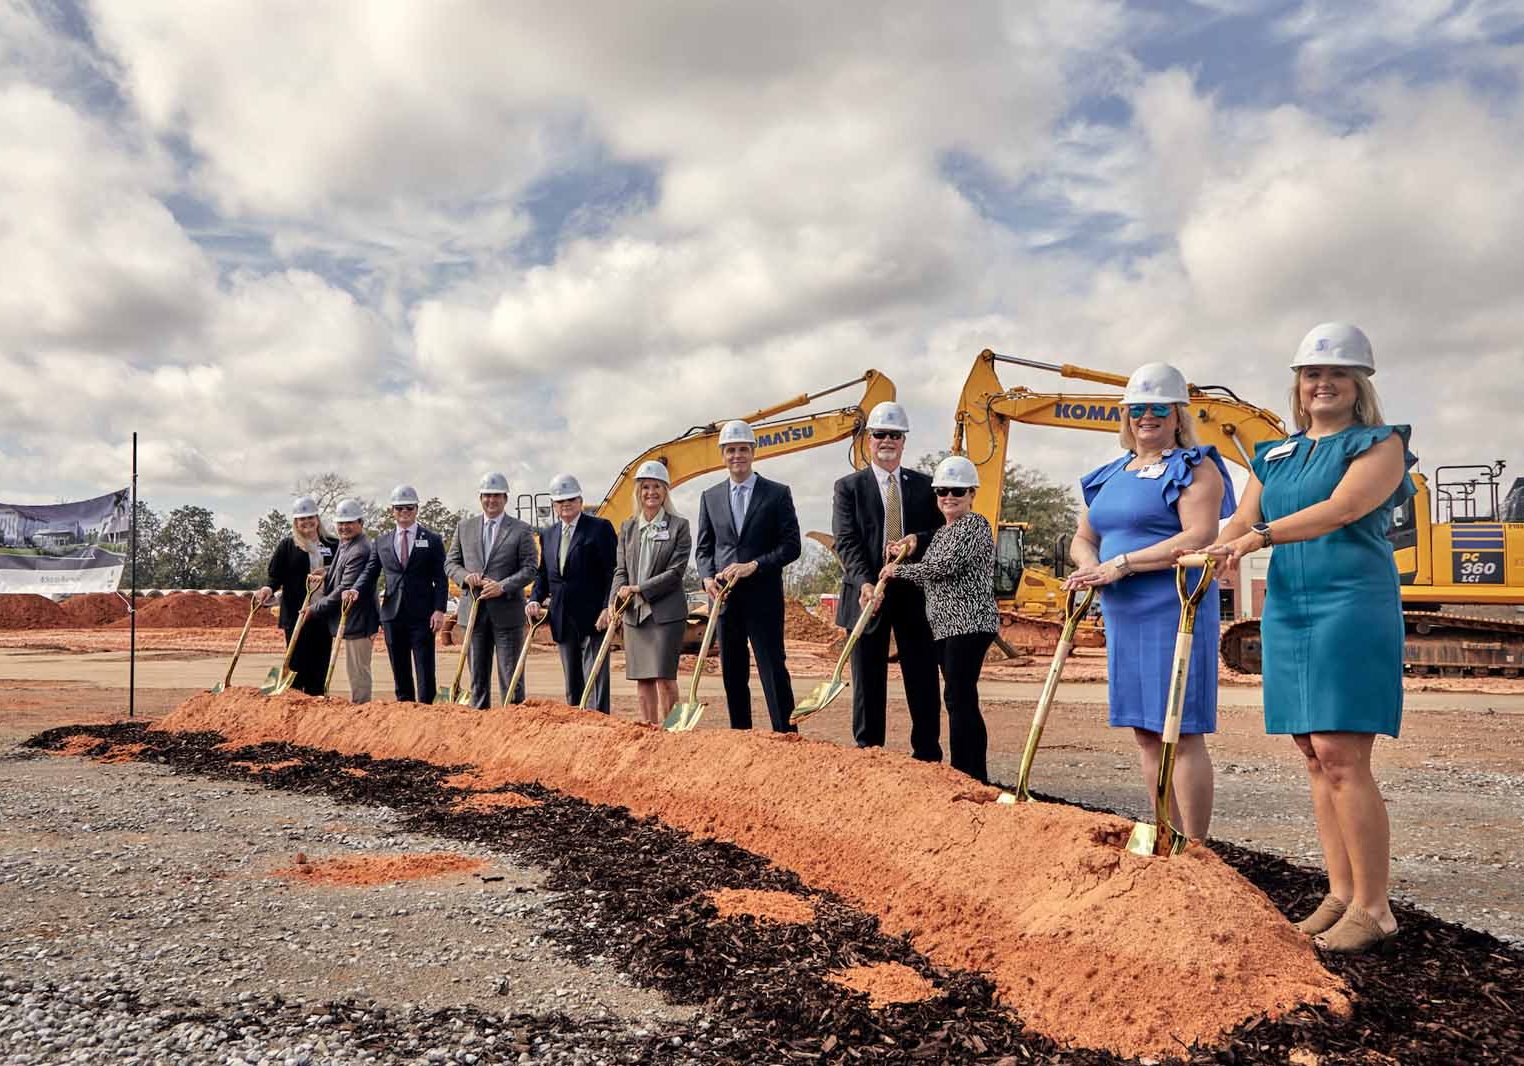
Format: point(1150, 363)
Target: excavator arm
point(697, 452)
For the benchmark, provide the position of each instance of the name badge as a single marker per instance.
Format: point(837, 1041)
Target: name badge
point(1280, 451)
point(661, 535)
point(1152, 472)
point(327, 551)
point(423, 542)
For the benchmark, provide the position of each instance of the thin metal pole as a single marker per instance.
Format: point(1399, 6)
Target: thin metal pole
point(132, 602)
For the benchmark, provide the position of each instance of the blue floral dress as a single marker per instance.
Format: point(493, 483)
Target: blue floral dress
point(1130, 510)
point(1332, 630)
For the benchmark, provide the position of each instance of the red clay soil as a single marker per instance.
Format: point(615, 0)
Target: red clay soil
point(190, 610)
point(26, 610)
point(266, 767)
point(782, 907)
point(885, 983)
point(79, 744)
point(93, 609)
point(800, 624)
point(122, 753)
point(483, 802)
point(1090, 944)
point(360, 871)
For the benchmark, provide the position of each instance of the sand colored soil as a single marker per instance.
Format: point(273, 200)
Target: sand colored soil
point(93, 609)
point(800, 624)
point(360, 871)
point(266, 767)
point(24, 610)
point(782, 907)
point(1091, 945)
point(885, 983)
point(483, 802)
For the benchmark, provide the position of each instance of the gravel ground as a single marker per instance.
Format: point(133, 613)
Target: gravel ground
point(138, 922)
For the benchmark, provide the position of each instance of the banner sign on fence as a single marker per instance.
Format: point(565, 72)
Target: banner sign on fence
point(64, 547)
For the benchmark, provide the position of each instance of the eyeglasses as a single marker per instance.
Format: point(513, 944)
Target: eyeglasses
point(404, 507)
point(1138, 410)
point(887, 434)
point(943, 490)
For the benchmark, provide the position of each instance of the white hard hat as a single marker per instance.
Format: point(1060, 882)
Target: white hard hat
point(304, 507)
point(348, 511)
point(888, 415)
point(1156, 383)
point(655, 470)
point(737, 432)
point(564, 487)
point(1335, 344)
point(956, 472)
point(493, 483)
point(404, 495)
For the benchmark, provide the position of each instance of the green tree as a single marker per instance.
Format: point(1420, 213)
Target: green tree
point(149, 525)
point(180, 547)
point(1027, 495)
point(434, 514)
point(273, 528)
point(815, 571)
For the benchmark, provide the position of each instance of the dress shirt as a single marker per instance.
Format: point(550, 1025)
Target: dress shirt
point(738, 509)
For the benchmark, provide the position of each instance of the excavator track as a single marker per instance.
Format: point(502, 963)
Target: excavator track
point(1038, 634)
point(1447, 645)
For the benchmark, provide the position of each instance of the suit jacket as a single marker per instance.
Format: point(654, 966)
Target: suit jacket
point(513, 564)
point(769, 537)
point(419, 589)
point(857, 523)
point(661, 594)
point(579, 591)
point(354, 566)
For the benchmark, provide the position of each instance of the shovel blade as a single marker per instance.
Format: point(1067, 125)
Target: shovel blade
point(679, 713)
point(817, 701)
point(1146, 839)
point(218, 687)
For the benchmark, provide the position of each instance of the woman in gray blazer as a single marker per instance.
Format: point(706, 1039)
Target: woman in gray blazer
point(649, 566)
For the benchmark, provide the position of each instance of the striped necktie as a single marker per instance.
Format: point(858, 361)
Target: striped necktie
point(894, 519)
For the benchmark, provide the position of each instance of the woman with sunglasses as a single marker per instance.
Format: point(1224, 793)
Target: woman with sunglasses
point(1166, 494)
point(957, 574)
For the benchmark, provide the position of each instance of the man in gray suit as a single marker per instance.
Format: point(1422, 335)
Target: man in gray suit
point(350, 580)
point(493, 557)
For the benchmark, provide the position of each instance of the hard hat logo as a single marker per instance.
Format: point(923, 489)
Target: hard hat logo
point(956, 472)
point(889, 416)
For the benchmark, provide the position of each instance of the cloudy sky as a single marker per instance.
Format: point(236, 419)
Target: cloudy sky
point(410, 241)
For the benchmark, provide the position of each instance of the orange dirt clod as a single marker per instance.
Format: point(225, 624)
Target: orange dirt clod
point(1091, 945)
point(360, 871)
point(266, 767)
point(486, 802)
point(782, 907)
point(885, 983)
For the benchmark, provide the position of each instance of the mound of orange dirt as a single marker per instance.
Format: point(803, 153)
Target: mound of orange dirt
point(360, 871)
point(1090, 944)
point(782, 907)
point(25, 610)
point(190, 610)
point(885, 983)
point(93, 609)
point(800, 624)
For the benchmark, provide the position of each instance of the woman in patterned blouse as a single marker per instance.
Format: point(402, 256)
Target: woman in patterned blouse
point(957, 574)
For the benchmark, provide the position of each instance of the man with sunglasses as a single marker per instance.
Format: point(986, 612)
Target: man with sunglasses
point(414, 598)
point(872, 509)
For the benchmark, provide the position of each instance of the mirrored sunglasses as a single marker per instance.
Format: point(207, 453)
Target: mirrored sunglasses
point(943, 490)
point(1138, 410)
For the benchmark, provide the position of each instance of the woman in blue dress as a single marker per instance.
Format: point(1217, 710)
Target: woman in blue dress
point(1166, 495)
point(1332, 629)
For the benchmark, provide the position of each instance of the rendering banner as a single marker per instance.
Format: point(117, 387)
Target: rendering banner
point(64, 548)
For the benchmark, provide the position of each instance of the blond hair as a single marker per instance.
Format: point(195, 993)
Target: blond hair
point(1367, 403)
point(301, 541)
point(1185, 429)
point(637, 508)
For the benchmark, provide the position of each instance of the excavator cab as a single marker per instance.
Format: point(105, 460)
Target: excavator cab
point(1010, 557)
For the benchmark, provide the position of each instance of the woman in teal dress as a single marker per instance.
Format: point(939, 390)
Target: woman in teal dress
point(1332, 627)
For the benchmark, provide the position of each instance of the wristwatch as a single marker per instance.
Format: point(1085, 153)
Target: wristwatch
point(1263, 529)
point(1123, 566)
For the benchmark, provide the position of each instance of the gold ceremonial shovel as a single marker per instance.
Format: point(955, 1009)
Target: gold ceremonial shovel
point(1073, 613)
point(615, 617)
point(227, 681)
point(518, 667)
point(1162, 838)
point(455, 693)
point(338, 643)
point(684, 716)
point(283, 677)
point(826, 691)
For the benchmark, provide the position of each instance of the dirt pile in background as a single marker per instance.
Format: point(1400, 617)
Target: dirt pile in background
point(94, 609)
point(190, 610)
point(800, 624)
point(783, 907)
point(1090, 944)
point(26, 610)
point(885, 983)
point(360, 871)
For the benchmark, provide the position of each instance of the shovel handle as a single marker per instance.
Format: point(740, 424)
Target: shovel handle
point(615, 614)
point(338, 642)
point(238, 648)
point(465, 646)
point(296, 631)
point(518, 667)
point(709, 627)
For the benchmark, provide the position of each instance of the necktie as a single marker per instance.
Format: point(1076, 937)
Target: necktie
point(894, 520)
point(566, 536)
point(402, 555)
point(488, 539)
point(738, 506)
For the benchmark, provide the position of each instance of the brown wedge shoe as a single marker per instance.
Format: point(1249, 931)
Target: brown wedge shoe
point(1355, 934)
point(1324, 918)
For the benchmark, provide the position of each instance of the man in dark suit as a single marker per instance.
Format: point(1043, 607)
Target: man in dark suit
point(747, 533)
point(414, 598)
point(871, 509)
point(493, 557)
point(350, 581)
point(576, 569)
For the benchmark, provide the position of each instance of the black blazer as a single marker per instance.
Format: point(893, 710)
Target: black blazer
point(769, 538)
point(354, 567)
point(288, 571)
point(421, 589)
point(582, 591)
point(857, 523)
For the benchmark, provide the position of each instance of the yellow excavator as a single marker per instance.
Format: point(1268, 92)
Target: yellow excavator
point(1474, 556)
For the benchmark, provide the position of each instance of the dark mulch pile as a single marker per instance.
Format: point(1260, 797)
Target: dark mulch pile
point(634, 890)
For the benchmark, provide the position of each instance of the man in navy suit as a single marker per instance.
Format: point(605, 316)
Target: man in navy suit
point(576, 569)
point(413, 602)
point(747, 533)
point(872, 509)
